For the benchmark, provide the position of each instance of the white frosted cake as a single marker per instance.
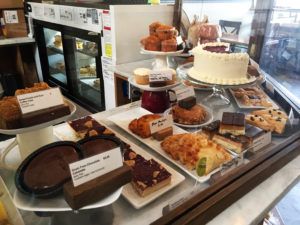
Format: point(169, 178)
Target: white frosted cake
point(214, 64)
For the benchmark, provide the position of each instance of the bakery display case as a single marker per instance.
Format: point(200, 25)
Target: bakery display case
point(209, 160)
point(72, 62)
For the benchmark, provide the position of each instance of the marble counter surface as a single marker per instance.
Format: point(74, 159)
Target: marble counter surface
point(16, 41)
point(127, 69)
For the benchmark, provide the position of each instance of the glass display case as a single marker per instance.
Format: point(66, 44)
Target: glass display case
point(70, 59)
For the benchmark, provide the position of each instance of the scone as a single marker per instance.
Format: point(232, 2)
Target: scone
point(141, 76)
point(166, 32)
point(141, 125)
point(274, 112)
point(151, 43)
point(277, 122)
point(153, 27)
point(169, 45)
point(260, 122)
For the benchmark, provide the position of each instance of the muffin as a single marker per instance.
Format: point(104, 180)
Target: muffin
point(173, 75)
point(166, 32)
point(169, 45)
point(153, 27)
point(141, 76)
point(151, 43)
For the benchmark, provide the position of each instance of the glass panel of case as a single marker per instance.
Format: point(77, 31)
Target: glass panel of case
point(56, 59)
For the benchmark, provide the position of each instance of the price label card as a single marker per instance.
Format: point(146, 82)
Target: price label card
point(49, 12)
point(155, 76)
point(87, 169)
point(161, 123)
point(40, 100)
point(11, 16)
point(232, 164)
point(66, 14)
point(185, 93)
point(179, 40)
point(262, 141)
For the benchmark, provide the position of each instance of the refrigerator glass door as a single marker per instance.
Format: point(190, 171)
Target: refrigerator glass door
point(86, 81)
point(280, 56)
point(55, 55)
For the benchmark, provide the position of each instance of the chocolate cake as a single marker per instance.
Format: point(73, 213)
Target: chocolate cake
point(187, 103)
point(230, 142)
point(147, 175)
point(88, 127)
point(97, 146)
point(232, 123)
point(50, 167)
point(209, 130)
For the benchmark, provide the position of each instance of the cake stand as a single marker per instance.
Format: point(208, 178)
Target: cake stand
point(217, 97)
point(161, 58)
point(31, 138)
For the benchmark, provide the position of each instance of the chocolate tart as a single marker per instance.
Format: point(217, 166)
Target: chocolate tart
point(43, 173)
point(98, 144)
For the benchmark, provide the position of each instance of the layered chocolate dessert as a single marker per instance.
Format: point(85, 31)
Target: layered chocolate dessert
point(232, 123)
point(147, 175)
point(50, 167)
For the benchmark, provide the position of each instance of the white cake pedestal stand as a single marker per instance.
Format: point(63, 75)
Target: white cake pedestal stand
point(31, 138)
point(217, 97)
point(160, 58)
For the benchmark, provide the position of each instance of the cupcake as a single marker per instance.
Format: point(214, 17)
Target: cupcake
point(151, 43)
point(153, 27)
point(169, 45)
point(141, 76)
point(173, 75)
point(166, 32)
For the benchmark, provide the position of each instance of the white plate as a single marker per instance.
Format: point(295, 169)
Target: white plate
point(241, 105)
point(124, 118)
point(65, 133)
point(148, 88)
point(57, 204)
point(13, 214)
point(208, 119)
point(143, 51)
point(42, 125)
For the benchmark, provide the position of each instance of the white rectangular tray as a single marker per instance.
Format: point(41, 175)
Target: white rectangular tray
point(124, 118)
point(64, 132)
point(243, 106)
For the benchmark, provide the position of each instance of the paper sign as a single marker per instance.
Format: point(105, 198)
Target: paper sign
point(232, 164)
point(108, 50)
point(156, 76)
point(161, 123)
point(179, 40)
point(88, 169)
point(262, 141)
point(11, 16)
point(49, 12)
point(185, 93)
point(40, 100)
point(66, 14)
point(181, 198)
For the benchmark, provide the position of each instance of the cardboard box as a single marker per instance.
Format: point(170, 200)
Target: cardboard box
point(15, 23)
point(8, 4)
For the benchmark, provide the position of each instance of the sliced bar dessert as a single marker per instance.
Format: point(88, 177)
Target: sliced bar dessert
point(232, 123)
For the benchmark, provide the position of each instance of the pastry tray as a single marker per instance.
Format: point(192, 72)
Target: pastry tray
point(64, 132)
point(124, 118)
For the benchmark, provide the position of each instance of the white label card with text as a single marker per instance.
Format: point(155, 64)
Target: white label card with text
point(262, 141)
point(155, 76)
point(161, 123)
point(40, 100)
point(90, 168)
point(185, 93)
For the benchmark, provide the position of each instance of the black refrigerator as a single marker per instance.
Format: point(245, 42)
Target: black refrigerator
point(71, 59)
